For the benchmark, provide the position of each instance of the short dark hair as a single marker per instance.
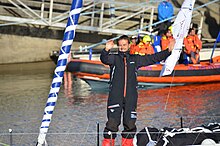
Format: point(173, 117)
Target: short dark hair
point(166, 31)
point(123, 37)
point(191, 30)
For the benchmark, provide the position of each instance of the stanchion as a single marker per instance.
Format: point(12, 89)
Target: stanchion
point(97, 133)
point(11, 141)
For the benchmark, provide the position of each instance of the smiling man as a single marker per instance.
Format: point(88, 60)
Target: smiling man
point(123, 88)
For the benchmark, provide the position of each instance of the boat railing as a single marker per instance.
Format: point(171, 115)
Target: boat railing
point(196, 12)
point(92, 133)
point(97, 15)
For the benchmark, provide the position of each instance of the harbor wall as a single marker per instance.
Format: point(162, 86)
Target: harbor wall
point(27, 43)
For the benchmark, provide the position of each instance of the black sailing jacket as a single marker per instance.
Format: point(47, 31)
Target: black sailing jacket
point(126, 81)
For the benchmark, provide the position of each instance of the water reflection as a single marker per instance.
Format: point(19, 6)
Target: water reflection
point(197, 104)
point(164, 107)
point(24, 90)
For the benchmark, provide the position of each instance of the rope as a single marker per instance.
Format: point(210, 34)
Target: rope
point(168, 96)
point(93, 133)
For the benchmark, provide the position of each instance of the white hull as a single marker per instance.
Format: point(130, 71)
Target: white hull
point(97, 84)
point(205, 53)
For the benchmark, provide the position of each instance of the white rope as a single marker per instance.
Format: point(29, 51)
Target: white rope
point(168, 96)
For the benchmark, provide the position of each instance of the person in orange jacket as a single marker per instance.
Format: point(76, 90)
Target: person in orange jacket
point(145, 46)
point(166, 38)
point(147, 41)
point(193, 46)
point(133, 46)
point(141, 49)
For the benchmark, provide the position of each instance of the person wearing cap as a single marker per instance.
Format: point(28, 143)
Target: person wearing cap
point(133, 46)
point(145, 46)
point(122, 99)
point(147, 41)
point(193, 46)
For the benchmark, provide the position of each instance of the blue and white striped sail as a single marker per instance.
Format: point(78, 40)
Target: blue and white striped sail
point(69, 35)
point(180, 30)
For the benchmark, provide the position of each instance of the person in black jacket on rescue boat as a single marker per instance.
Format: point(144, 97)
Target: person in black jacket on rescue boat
point(123, 88)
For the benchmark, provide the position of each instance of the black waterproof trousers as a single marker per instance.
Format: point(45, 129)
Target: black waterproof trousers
point(118, 106)
point(123, 94)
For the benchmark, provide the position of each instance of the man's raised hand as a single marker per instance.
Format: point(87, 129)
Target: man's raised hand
point(109, 45)
point(171, 45)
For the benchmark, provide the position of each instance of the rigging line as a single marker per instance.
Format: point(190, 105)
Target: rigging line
point(69, 129)
point(85, 134)
point(213, 118)
point(20, 139)
point(168, 96)
point(95, 133)
point(196, 138)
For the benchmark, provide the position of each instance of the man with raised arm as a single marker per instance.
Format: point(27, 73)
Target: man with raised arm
point(123, 94)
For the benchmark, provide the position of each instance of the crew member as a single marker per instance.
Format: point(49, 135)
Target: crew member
point(193, 46)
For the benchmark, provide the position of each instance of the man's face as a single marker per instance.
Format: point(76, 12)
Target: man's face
point(123, 45)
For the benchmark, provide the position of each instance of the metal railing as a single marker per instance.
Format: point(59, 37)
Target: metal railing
point(92, 134)
point(196, 12)
point(102, 16)
point(97, 15)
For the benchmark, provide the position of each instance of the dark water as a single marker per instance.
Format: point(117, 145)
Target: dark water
point(23, 94)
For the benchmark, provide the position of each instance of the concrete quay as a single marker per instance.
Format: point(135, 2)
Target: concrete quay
point(27, 42)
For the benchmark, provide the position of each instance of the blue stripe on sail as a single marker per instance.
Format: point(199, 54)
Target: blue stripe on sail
point(46, 120)
point(62, 62)
point(58, 84)
point(66, 49)
point(52, 95)
point(58, 74)
point(44, 127)
point(69, 36)
point(75, 19)
point(61, 73)
point(48, 112)
point(51, 104)
point(76, 4)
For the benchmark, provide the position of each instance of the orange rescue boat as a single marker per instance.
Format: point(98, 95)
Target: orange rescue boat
point(94, 73)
